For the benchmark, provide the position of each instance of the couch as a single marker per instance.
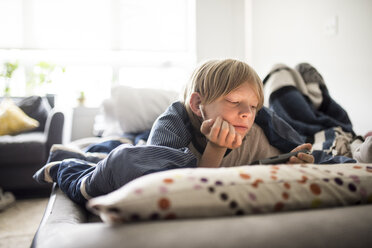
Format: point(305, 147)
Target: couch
point(23, 153)
point(66, 224)
point(205, 218)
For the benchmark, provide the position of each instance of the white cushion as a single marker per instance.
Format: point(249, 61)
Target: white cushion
point(135, 110)
point(202, 192)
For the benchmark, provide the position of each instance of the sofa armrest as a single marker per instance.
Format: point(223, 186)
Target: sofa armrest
point(61, 214)
point(54, 128)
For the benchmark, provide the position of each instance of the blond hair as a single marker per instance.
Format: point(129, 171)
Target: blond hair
point(216, 78)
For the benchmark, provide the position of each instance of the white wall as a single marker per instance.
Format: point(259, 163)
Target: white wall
point(266, 32)
point(220, 29)
point(294, 31)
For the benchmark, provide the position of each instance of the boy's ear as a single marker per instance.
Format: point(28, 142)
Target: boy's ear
point(195, 101)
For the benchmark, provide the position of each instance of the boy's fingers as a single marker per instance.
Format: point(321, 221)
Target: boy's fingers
point(206, 126)
point(209, 122)
point(294, 160)
point(224, 131)
point(307, 146)
point(301, 158)
point(217, 123)
point(215, 130)
point(308, 158)
point(231, 136)
point(237, 141)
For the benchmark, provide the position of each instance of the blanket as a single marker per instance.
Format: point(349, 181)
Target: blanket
point(300, 96)
point(107, 166)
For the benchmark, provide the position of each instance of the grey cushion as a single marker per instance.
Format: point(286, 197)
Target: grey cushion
point(30, 147)
point(37, 108)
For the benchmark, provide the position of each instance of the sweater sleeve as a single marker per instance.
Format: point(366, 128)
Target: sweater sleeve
point(172, 128)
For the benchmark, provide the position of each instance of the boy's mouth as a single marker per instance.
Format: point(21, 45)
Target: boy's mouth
point(241, 128)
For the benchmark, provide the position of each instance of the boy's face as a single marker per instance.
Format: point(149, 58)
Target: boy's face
point(239, 108)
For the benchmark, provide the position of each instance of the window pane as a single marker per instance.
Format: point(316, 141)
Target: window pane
point(70, 24)
point(95, 81)
point(140, 43)
point(153, 25)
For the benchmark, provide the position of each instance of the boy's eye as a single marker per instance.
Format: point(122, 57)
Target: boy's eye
point(254, 108)
point(233, 102)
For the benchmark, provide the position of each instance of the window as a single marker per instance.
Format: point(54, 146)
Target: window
point(140, 43)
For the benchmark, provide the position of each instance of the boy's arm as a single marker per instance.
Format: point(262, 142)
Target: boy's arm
point(212, 156)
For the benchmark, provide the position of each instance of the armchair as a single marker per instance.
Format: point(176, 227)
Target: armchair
point(23, 154)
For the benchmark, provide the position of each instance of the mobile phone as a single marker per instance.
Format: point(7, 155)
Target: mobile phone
point(282, 158)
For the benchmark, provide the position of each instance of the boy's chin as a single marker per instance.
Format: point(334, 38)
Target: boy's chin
point(242, 131)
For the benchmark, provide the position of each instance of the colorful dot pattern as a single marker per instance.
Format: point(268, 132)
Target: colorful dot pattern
point(192, 193)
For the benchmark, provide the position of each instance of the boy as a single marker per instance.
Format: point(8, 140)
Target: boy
point(213, 127)
point(221, 101)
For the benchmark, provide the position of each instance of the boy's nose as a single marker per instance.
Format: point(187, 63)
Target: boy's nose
point(246, 111)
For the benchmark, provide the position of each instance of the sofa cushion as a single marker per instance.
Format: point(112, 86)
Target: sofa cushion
point(133, 110)
point(203, 192)
point(13, 120)
point(22, 149)
point(37, 108)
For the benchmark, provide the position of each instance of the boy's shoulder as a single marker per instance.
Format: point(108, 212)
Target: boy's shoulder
point(172, 128)
point(177, 106)
point(174, 117)
point(176, 110)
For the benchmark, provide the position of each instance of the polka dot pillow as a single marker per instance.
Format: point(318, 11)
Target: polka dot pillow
point(202, 192)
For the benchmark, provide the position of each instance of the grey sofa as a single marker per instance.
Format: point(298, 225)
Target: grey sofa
point(22, 154)
point(66, 224)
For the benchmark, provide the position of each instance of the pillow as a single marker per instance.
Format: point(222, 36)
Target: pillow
point(136, 109)
point(37, 108)
point(203, 192)
point(13, 120)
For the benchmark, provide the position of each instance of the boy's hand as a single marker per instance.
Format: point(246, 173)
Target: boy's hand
point(221, 133)
point(302, 157)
